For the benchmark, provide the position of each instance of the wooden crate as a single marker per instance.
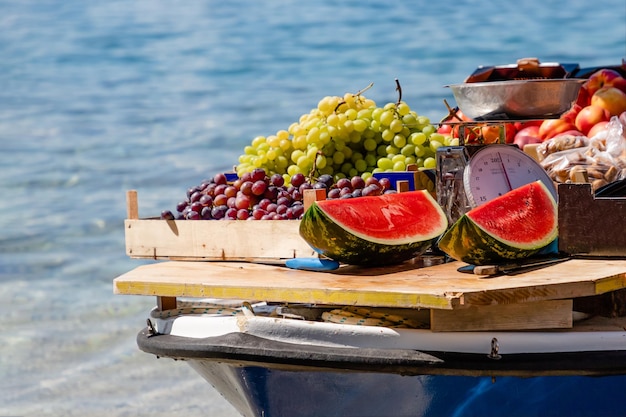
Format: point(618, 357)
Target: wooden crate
point(209, 240)
point(590, 226)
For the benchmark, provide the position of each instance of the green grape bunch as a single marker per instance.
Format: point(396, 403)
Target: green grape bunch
point(345, 137)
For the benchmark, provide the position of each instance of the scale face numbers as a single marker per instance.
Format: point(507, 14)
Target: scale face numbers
point(496, 169)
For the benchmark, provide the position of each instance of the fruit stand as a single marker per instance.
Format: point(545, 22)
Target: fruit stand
point(437, 261)
point(247, 270)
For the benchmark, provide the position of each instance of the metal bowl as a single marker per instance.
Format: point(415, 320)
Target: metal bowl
point(517, 99)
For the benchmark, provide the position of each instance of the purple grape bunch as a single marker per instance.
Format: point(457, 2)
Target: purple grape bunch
point(259, 196)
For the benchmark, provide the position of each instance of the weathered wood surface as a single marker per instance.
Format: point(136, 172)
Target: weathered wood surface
point(403, 286)
point(154, 238)
point(214, 240)
point(547, 314)
point(591, 226)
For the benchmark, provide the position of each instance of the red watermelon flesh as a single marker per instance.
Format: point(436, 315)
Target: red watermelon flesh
point(389, 219)
point(514, 226)
point(374, 230)
point(521, 217)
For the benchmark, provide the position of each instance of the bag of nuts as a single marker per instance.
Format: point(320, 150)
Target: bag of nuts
point(599, 160)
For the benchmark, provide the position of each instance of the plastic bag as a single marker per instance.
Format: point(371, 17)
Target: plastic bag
point(561, 143)
point(613, 138)
point(599, 160)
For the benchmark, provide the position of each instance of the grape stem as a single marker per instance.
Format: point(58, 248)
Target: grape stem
point(314, 168)
point(452, 113)
point(370, 85)
point(358, 93)
point(399, 90)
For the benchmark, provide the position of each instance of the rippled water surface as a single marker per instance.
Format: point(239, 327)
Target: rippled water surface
point(100, 97)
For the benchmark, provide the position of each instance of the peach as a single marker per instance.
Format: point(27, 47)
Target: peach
point(610, 98)
point(552, 127)
point(583, 97)
point(604, 78)
point(570, 133)
point(597, 128)
point(589, 116)
point(571, 114)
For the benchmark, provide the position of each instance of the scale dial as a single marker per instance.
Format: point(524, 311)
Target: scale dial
point(495, 170)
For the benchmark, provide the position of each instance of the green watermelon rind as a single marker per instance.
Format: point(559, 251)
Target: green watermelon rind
point(329, 239)
point(467, 241)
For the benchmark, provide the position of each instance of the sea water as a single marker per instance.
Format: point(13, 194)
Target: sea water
point(97, 98)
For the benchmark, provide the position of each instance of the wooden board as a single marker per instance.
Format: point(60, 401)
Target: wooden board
point(403, 286)
point(214, 240)
point(548, 314)
point(590, 226)
point(207, 240)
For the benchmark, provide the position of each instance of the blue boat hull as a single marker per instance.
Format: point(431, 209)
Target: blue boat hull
point(282, 393)
point(265, 378)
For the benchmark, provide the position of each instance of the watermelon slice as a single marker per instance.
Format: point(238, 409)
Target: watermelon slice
point(513, 226)
point(374, 230)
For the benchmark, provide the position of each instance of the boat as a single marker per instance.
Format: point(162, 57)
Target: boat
point(410, 340)
point(428, 337)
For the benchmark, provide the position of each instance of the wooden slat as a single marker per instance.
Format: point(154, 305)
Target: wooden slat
point(215, 240)
point(402, 286)
point(549, 314)
point(132, 208)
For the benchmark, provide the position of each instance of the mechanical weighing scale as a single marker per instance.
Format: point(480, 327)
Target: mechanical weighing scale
point(468, 176)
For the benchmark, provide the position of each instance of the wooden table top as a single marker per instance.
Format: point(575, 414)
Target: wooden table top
point(402, 286)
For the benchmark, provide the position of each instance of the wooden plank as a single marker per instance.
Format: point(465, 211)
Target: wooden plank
point(549, 314)
point(215, 240)
point(590, 226)
point(402, 186)
point(251, 281)
point(132, 208)
point(409, 285)
point(166, 303)
point(311, 195)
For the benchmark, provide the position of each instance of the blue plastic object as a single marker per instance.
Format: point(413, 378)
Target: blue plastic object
point(312, 264)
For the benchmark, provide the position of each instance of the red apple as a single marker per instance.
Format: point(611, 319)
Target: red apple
point(605, 78)
point(589, 116)
point(552, 127)
point(529, 134)
point(597, 128)
point(610, 98)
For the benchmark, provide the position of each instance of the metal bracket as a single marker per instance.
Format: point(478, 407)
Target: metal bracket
point(151, 329)
point(495, 347)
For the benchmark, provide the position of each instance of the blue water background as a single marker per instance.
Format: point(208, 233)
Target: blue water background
point(97, 98)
